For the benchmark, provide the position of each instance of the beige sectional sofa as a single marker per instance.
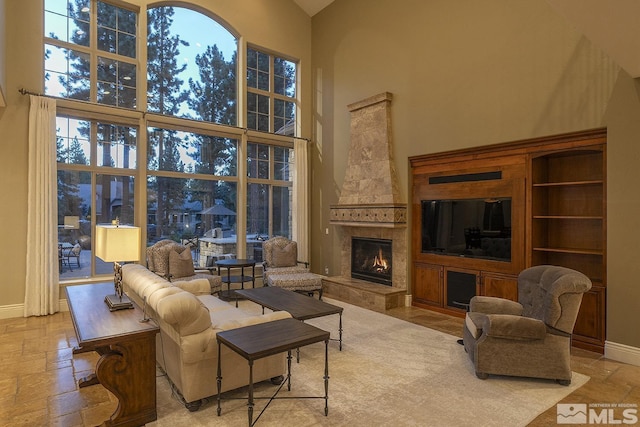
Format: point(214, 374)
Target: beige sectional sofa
point(189, 318)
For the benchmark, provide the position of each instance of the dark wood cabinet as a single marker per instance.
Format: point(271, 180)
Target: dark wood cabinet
point(556, 187)
point(500, 286)
point(428, 287)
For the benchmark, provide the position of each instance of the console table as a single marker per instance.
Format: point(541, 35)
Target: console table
point(127, 349)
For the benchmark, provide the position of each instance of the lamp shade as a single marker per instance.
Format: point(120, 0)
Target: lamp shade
point(117, 243)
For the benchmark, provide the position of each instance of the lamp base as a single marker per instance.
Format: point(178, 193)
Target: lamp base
point(117, 303)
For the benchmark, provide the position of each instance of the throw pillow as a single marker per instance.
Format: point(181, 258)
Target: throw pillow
point(286, 256)
point(181, 264)
point(159, 256)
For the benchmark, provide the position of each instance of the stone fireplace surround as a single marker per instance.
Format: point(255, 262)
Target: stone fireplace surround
point(370, 206)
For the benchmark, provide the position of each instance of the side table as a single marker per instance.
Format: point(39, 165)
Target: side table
point(230, 294)
point(266, 339)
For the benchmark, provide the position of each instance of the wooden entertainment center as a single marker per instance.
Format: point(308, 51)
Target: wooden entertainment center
point(551, 195)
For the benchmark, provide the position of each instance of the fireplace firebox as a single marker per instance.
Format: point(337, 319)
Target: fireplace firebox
point(371, 260)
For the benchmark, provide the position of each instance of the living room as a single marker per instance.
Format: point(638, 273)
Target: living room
point(462, 74)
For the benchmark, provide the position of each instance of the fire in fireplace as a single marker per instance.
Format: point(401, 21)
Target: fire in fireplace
point(371, 260)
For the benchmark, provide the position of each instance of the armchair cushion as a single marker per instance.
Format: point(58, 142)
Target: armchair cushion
point(160, 256)
point(512, 327)
point(181, 263)
point(152, 253)
point(495, 305)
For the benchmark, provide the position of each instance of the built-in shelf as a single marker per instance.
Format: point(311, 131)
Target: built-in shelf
point(569, 217)
point(570, 251)
point(566, 184)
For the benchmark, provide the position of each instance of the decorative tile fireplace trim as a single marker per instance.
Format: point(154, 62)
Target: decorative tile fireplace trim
point(370, 215)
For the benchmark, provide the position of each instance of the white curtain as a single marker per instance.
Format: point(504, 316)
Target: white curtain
point(300, 229)
point(41, 287)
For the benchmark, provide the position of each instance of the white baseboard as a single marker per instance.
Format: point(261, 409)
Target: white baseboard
point(17, 310)
point(622, 353)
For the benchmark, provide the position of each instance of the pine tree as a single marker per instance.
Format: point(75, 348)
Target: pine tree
point(164, 96)
point(213, 99)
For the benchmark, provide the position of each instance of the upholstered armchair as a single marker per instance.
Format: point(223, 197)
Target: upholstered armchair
point(281, 268)
point(531, 337)
point(281, 257)
point(174, 262)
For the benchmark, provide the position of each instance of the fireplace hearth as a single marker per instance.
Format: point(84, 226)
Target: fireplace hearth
point(371, 259)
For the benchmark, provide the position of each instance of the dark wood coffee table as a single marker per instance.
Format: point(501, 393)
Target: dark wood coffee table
point(267, 339)
point(301, 307)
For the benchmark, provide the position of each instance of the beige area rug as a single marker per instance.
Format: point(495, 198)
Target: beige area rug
point(389, 373)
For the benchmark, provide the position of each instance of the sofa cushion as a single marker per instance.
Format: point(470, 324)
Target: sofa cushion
point(184, 312)
point(199, 286)
point(142, 281)
point(181, 263)
point(285, 256)
point(156, 296)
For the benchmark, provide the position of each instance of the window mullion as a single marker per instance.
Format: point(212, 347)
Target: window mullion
point(93, 55)
point(272, 108)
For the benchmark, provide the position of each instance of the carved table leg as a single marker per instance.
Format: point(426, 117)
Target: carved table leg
point(127, 369)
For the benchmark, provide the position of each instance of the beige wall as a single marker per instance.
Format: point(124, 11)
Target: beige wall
point(469, 73)
point(277, 25)
point(2, 53)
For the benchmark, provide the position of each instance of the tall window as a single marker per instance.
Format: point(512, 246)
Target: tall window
point(271, 93)
point(269, 190)
point(192, 184)
point(95, 185)
point(91, 66)
point(186, 122)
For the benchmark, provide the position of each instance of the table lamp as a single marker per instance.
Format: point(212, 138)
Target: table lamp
point(117, 243)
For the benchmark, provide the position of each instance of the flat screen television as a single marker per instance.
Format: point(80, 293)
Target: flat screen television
point(474, 228)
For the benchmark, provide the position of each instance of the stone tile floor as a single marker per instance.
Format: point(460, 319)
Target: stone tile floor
point(38, 373)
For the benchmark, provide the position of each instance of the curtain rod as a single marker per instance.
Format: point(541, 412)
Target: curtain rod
point(28, 92)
